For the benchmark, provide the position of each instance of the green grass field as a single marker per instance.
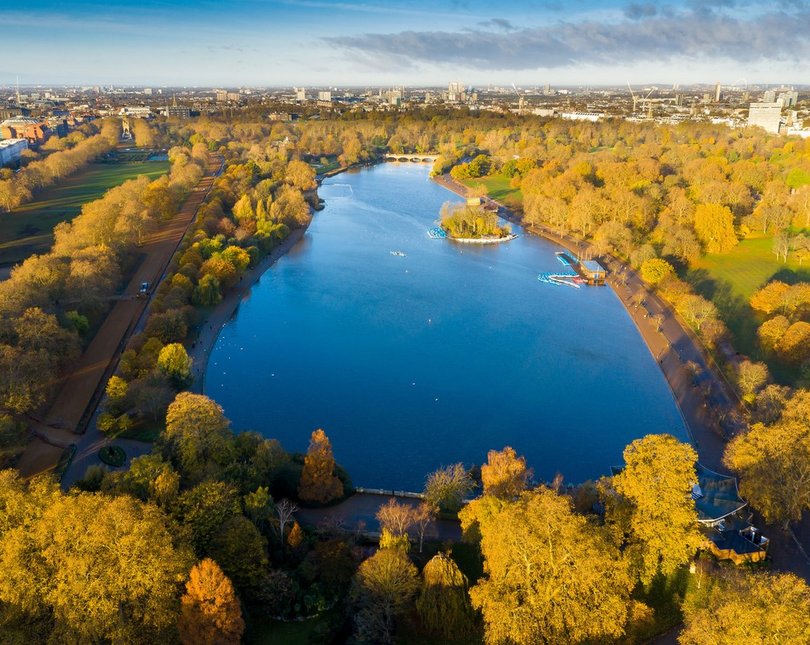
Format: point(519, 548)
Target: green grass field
point(499, 189)
point(29, 229)
point(730, 279)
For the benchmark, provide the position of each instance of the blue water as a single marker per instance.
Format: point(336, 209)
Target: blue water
point(410, 363)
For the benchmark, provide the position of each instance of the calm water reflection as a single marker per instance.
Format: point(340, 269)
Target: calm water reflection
point(412, 362)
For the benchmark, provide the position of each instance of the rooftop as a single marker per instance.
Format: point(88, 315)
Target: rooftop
point(716, 496)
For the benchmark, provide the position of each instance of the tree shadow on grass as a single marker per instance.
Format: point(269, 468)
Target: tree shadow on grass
point(734, 310)
point(791, 276)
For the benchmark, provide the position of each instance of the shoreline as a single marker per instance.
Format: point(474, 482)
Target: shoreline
point(219, 316)
point(482, 240)
point(671, 344)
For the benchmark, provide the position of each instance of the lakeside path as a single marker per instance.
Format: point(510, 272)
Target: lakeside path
point(80, 390)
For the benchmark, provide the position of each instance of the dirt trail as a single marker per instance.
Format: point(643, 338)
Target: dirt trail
point(80, 388)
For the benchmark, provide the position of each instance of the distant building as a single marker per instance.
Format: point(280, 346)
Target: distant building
point(325, 96)
point(233, 97)
point(147, 91)
point(717, 90)
point(301, 94)
point(32, 130)
point(10, 150)
point(788, 98)
point(178, 112)
point(583, 116)
point(221, 96)
point(138, 111)
point(455, 92)
point(11, 111)
point(767, 116)
point(769, 96)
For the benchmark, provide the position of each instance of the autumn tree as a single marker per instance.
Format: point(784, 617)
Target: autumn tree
point(714, 225)
point(395, 517)
point(198, 435)
point(319, 483)
point(443, 603)
point(105, 569)
point(751, 378)
point(550, 576)
point(749, 607)
point(661, 523)
point(175, 362)
point(655, 269)
point(773, 462)
point(383, 590)
point(447, 487)
point(210, 613)
point(505, 475)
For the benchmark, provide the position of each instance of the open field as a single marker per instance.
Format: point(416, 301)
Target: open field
point(499, 189)
point(730, 279)
point(28, 229)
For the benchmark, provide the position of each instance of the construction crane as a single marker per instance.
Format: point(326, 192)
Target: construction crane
point(635, 99)
point(521, 99)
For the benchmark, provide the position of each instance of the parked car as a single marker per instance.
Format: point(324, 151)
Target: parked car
point(144, 290)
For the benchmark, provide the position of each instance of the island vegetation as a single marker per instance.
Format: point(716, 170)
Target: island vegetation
point(471, 222)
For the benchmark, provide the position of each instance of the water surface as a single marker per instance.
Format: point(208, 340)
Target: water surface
point(413, 362)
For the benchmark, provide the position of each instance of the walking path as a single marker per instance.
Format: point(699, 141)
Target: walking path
point(81, 389)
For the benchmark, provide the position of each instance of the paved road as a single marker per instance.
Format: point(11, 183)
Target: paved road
point(80, 390)
point(357, 513)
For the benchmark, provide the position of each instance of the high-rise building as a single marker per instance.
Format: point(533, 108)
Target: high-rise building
point(325, 96)
point(769, 96)
point(788, 98)
point(455, 92)
point(301, 94)
point(222, 96)
point(717, 89)
point(767, 116)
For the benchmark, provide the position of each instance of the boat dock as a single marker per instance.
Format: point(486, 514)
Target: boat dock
point(437, 233)
point(590, 271)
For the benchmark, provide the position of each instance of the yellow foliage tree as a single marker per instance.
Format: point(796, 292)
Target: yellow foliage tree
point(210, 613)
point(714, 225)
point(551, 576)
point(743, 607)
point(318, 480)
point(656, 483)
point(444, 604)
point(505, 474)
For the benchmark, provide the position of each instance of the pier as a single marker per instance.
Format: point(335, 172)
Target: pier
point(589, 270)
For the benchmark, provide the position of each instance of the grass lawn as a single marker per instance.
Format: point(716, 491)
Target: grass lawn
point(294, 632)
point(499, 189)
point(29, 229)
point(730, 279)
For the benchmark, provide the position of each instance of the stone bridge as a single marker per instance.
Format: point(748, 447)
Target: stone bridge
point(412, 158)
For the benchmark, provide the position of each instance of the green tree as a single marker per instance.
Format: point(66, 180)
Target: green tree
point(210, 613)
point(383, 590)
point(550, 576)
point(656, 482)
point(241, 551)
point(319, 483)
point(444, 604)
point(744, 607)
point(204, 509)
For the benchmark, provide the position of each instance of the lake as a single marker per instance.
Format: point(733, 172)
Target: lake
point(409, 363)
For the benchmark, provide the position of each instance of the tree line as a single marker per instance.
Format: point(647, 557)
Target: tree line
point(19, 188)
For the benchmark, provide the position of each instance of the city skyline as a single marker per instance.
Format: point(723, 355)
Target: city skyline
point(317, 43)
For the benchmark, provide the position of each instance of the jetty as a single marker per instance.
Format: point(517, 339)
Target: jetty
point(590, 271)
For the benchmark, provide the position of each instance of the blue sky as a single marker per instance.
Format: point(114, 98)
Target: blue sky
point(418, 42)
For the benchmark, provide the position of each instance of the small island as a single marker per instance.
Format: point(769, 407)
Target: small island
point(473, 224)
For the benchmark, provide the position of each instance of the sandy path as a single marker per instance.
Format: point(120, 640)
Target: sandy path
point(80, 390)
